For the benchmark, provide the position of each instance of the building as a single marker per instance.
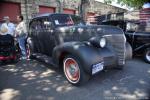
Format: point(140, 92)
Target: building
point(145, 16)
point(30, 8)
point(142, 15)
point(103, 8)
point(98, 8)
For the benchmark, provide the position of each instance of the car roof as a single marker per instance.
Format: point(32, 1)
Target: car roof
point(48, 14)
point(42, 15)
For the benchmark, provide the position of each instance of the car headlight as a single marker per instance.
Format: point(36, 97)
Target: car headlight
point(102, 42)
point(98, 42)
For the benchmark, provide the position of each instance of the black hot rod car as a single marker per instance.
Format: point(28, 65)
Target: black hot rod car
point(136, 35)
point(65, 41)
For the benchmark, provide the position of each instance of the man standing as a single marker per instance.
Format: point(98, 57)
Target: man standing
point(21, 34)
point(10, 26)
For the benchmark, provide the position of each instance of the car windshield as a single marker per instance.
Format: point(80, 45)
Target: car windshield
point(66, 20)
point(132, 27)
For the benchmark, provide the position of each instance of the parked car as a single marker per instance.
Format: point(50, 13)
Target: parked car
point(138, 38)
point(64, 41)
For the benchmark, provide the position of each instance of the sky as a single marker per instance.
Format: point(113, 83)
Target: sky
point(146, 5)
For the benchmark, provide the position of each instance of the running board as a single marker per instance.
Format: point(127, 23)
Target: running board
point(44, 58)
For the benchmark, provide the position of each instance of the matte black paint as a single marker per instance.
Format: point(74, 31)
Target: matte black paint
point(57, 42)
point(88, 55)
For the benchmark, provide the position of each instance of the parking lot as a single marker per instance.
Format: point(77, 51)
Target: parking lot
point(32, 80)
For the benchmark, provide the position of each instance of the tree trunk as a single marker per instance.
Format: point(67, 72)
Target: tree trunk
point(60, 5)
point(83, 8)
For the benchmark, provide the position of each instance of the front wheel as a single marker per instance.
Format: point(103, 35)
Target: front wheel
point(147, 55)
point(73, 71)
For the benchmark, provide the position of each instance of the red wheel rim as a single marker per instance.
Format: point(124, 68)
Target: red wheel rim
point(71, 70)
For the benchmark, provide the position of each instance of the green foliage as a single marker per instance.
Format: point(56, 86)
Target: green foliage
point(133, 3)
point(129, 3)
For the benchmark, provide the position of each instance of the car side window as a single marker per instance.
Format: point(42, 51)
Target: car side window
point(77, 20)
point(131, 27)
point(45, 24)
point(38, 25)
point(32, 26)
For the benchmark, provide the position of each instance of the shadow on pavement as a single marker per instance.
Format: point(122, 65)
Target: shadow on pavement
point(31, 80)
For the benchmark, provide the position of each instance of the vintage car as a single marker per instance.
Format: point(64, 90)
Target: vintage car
point(136, 35)
point(64, 41)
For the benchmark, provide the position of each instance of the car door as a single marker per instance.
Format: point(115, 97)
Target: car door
point(33, 34)
point(48, 36)
point(38, 35)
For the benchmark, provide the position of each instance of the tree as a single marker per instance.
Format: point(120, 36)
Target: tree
point(130, 3)
point(83, 8)
point(133, 3)
point(59, 2)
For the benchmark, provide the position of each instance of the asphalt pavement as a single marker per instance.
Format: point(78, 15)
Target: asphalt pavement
point(32, 80)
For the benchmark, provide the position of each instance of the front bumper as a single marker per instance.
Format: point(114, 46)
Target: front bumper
point(107, 59)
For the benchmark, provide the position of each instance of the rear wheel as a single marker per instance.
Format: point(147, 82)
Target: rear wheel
point(147, 55)
point(73, 71)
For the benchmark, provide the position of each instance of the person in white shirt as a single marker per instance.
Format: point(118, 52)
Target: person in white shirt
point(10, 26)
point(21, 34)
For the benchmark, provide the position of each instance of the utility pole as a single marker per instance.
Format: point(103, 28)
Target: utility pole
point(83, 8)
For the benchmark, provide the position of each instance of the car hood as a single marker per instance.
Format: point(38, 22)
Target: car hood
point(90, 29)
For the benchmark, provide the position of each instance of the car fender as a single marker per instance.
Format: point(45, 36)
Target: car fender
point(87, 55)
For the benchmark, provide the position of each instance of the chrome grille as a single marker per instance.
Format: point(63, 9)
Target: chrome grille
point(118, 42)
